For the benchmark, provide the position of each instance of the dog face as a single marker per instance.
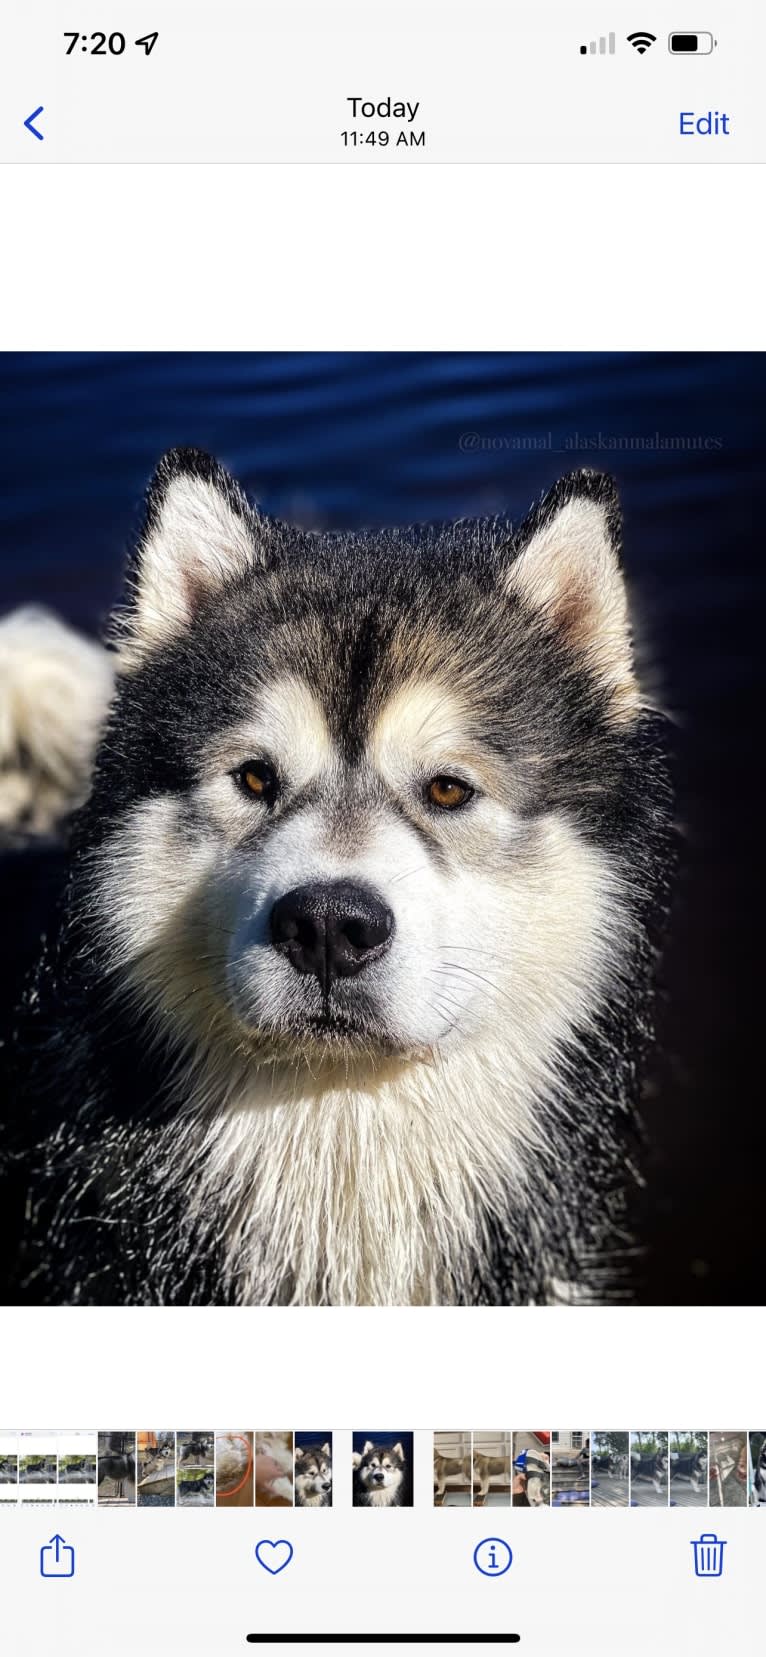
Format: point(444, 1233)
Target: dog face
point(380, 1469)
point(357, 792)
point(313, 1474)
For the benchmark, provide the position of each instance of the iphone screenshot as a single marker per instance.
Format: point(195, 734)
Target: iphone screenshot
point(383, 397)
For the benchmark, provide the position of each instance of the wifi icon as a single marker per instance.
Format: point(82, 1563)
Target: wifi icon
point(641, 40)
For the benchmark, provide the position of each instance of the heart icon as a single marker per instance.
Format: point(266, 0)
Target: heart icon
point(273, 1556)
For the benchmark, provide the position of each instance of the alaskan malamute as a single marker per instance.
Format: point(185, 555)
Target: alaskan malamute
point(449, 1467)
point(486, 1468)
point(379, 1474)
point(353, 979)
point(313, 1475)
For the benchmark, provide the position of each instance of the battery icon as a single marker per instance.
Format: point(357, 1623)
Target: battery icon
point(692, 45)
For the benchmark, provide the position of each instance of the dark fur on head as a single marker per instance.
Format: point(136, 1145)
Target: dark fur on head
point(99, 1125)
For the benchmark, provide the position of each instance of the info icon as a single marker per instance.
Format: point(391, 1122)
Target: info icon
point(492, 1557)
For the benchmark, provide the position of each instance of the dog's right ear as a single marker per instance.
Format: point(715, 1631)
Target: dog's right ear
point(297, 1453)
point(199, 533)
point(368, 1447)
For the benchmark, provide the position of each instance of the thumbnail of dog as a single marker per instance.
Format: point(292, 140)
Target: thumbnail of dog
point(449, 1467)
point(486, 1468)
point(274, 1467)
point(379, 1473)
point(313, 1475)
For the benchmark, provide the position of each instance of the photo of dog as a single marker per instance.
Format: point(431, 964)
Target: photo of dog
point(491, 1469)
point(649, 1469)
point(382, 1469)
point(116, 1469)
point(313, 1469)
point(324, 960)
point(453, 1469)
point(327, 828)
point(688, 1468)
point(195, 1467)
point(610, 1469)
point(531, 1469)
point(156, 1482)
point(36, 1468)
point(570, 1467)
point(274, 1469)
point(78, 1467)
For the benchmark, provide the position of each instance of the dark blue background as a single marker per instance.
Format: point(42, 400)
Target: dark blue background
point(341, 440)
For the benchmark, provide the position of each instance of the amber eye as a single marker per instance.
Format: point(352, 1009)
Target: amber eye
point(448, 793)
point(259, 780)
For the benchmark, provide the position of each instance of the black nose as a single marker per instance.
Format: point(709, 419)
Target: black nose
point(331, 929)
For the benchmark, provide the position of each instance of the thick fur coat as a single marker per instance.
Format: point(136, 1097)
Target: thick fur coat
point(437, 738)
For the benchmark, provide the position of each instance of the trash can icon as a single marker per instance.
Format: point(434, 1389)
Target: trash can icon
point(708, 1555)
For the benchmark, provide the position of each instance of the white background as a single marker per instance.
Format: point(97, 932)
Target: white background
point(292, 258)
point(328, 257)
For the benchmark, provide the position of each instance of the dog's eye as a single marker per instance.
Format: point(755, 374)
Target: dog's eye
point(259, 779)
point(448, 793)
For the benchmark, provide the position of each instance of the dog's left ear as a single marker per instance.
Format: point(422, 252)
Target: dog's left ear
point(199, 533)
point(396, 1450)
point(326, 1451)
point(567, 569)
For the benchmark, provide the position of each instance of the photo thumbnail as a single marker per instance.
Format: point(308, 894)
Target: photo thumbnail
point(570, 1468)
point(78, 1469)
point(492, 1469)
point(729, 1454)
point(38, 1467)
point(156, 1468)
point(688, 1467)
point(453, 1478)
point(382, 1469)
point(234, 1469)
point(313, 1469)
point(195, 1468)
point(116, 1469)
point(531, 1469)
point(649, 1469)
point(274, 1469)
point(610, 1470)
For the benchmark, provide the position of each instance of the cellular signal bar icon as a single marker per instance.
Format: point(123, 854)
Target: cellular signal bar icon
point(604, 45)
